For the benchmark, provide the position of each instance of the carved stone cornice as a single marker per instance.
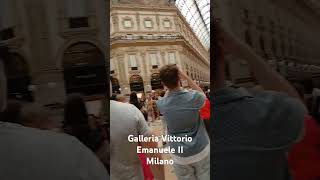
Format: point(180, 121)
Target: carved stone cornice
point(120, 55)
point(135, 72)
point(143, 54)
point(85, 32)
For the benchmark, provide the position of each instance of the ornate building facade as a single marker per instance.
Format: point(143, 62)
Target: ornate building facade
point(147, 35)
point(281, 31)
point(56, 48)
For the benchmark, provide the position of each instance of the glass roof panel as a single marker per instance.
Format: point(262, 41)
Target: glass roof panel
point(197, 14)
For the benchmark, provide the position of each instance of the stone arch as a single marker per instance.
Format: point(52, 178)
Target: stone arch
point(84, 69)
point(136, 83)
point(70, 42)
point(156, 81)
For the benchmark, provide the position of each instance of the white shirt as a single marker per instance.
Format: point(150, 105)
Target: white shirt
point(27, 153)
point(125, 120)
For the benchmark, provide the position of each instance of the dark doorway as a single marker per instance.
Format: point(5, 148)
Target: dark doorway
point(156, 82)
point(136, 83)
point(84, 70)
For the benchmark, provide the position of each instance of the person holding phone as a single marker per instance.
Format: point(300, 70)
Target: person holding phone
point(252, 129)
point(180, 109)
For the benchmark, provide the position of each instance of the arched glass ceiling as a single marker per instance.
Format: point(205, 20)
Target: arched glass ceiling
point(197, 14)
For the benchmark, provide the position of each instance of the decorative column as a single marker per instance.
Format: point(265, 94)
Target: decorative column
point(146, 75)
point(115, 20)
point(138, 21)
point(178, 57)
point(163, 58)
point(122, 74)
point(157, 20)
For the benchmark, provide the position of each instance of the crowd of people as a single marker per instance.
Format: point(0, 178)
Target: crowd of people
point(35, 146)
point(146, 103)
point(180, 111)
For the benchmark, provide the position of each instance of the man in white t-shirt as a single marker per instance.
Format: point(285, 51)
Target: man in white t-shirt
point(127, 120)
point(28, 153)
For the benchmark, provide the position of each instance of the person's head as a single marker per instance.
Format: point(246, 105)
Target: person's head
point(143, 96)
point(133, 97)
point(113, 97)
point(3, 79)
point(75, 111)
point(169, 75)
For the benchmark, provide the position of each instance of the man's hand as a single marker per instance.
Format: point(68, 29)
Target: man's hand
point(182, 75)
point(192, 84)
point(267, 77)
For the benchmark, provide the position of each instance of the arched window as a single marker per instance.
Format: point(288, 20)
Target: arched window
point(156, 82)
point(136, 83)
point(84, 69)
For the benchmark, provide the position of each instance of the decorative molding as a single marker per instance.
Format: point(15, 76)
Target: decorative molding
point(151, 21)
point(134, 72)
point(85, 32)
point(127, 18)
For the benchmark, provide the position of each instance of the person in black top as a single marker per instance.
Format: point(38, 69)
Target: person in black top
point(77, 122)
point(134, 100)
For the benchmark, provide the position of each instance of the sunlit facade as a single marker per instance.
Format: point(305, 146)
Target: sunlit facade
point(146, 36)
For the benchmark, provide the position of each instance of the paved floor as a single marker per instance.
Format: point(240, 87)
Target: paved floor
point(156, 126)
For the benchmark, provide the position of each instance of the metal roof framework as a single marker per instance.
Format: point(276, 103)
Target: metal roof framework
point(197, 14)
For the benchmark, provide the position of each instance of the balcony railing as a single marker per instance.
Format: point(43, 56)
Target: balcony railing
point(148, 37)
